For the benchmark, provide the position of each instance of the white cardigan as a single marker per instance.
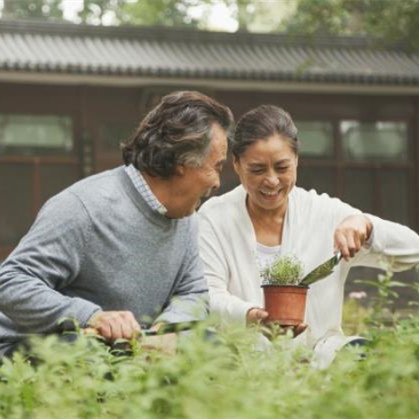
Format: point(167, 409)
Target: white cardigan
point(228, 250)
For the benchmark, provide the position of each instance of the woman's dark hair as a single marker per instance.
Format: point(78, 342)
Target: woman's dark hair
point(261, 123)
point(177, 131)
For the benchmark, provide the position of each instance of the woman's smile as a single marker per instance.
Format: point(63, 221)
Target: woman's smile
point(270, 195)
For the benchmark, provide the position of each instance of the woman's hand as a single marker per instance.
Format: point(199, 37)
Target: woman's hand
point(256, 315)
point(351, 234)
point(259, 315)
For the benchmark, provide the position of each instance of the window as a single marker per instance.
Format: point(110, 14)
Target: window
point(371, 169)
point(37, 160)
point(316, 143)
point(374, 141)
point(316, 139)
point(35, 134)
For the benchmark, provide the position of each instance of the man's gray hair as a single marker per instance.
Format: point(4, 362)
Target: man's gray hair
point(177, 131)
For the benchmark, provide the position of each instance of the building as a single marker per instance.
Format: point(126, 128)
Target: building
point(70, 93)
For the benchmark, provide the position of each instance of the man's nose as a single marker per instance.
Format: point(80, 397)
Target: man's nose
point(217, 182)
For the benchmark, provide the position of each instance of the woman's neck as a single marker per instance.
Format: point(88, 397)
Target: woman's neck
point(268, 224)
point(264, 215)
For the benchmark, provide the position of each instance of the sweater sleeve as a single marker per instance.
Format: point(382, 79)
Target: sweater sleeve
point(222, 303)
point(392, 246)
point(34, 277)
point(189, 300)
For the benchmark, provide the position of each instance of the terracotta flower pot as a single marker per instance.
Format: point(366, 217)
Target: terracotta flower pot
point(286, 304)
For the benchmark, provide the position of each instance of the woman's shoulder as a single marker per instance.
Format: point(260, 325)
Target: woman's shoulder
point(313, 197)
point(312, 202)
point(225, 202)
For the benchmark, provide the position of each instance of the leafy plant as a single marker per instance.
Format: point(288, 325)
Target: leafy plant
point(386, 295)
point(225, 378)
point(286, 270)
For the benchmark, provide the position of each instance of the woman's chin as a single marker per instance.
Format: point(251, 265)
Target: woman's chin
point(270, 202)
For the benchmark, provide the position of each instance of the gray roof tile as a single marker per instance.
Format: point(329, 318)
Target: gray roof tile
point(131, 51)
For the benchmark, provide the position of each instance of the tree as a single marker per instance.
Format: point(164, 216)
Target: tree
point(336, 17)
point(160, 12)
point(390, 20)
point(142, 12)
point(39, 9)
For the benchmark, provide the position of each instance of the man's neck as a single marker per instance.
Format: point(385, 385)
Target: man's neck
point(163, 189)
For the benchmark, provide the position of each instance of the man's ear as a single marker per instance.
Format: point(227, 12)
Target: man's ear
point(180, 170)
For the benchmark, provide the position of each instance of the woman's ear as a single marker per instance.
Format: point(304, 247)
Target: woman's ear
point(236, 164)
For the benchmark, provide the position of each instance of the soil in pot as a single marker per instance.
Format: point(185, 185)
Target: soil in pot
point(286, 304)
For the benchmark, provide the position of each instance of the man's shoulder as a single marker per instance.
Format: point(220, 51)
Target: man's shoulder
point(87, 193)
point(103, 180)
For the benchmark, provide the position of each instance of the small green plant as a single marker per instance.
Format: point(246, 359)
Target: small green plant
point(286, 270)
point(381, 309)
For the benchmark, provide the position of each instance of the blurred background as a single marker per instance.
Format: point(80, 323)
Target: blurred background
point(76, 76)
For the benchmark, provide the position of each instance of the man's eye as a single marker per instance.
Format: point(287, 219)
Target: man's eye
point(256, 171)
point(282, 168)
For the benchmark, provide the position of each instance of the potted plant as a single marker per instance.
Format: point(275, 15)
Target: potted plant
point(285, 298)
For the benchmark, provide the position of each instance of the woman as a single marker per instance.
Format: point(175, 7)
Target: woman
point(267, 215)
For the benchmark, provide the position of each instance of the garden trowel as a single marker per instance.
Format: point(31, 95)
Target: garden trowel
point(322, 271)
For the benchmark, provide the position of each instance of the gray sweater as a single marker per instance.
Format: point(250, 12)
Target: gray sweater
point(98, 245)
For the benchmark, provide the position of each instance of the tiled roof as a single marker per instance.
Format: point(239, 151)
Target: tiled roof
point(166, 52)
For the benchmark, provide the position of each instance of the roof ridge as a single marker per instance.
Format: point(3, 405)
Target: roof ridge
point(191, 34)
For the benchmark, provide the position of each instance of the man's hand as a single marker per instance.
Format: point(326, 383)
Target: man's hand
point(351, 234)
point(256, 315)
point(114, 325)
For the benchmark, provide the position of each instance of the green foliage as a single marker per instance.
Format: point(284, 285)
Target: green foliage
point(390, 20)
point(224, 379)
point(356, 317)
point(159, 12)
point(382, 302)
point(38, 9)
point(143, 12)
point(323, 17)
point(286, 270)
point(94, 11)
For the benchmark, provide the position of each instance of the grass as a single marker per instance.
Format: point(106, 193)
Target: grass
point(215, 379)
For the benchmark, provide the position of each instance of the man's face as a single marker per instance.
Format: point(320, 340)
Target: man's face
point(199, 182)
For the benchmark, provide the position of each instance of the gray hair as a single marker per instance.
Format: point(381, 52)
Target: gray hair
point(177, 131)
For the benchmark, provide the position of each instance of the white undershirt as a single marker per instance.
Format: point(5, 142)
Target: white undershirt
point(267, 254)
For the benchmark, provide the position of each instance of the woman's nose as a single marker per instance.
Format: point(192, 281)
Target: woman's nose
point(272, 179)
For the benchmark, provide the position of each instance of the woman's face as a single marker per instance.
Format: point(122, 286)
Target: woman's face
point(268, 171)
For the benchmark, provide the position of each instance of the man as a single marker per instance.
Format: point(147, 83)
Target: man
point(119, 249)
